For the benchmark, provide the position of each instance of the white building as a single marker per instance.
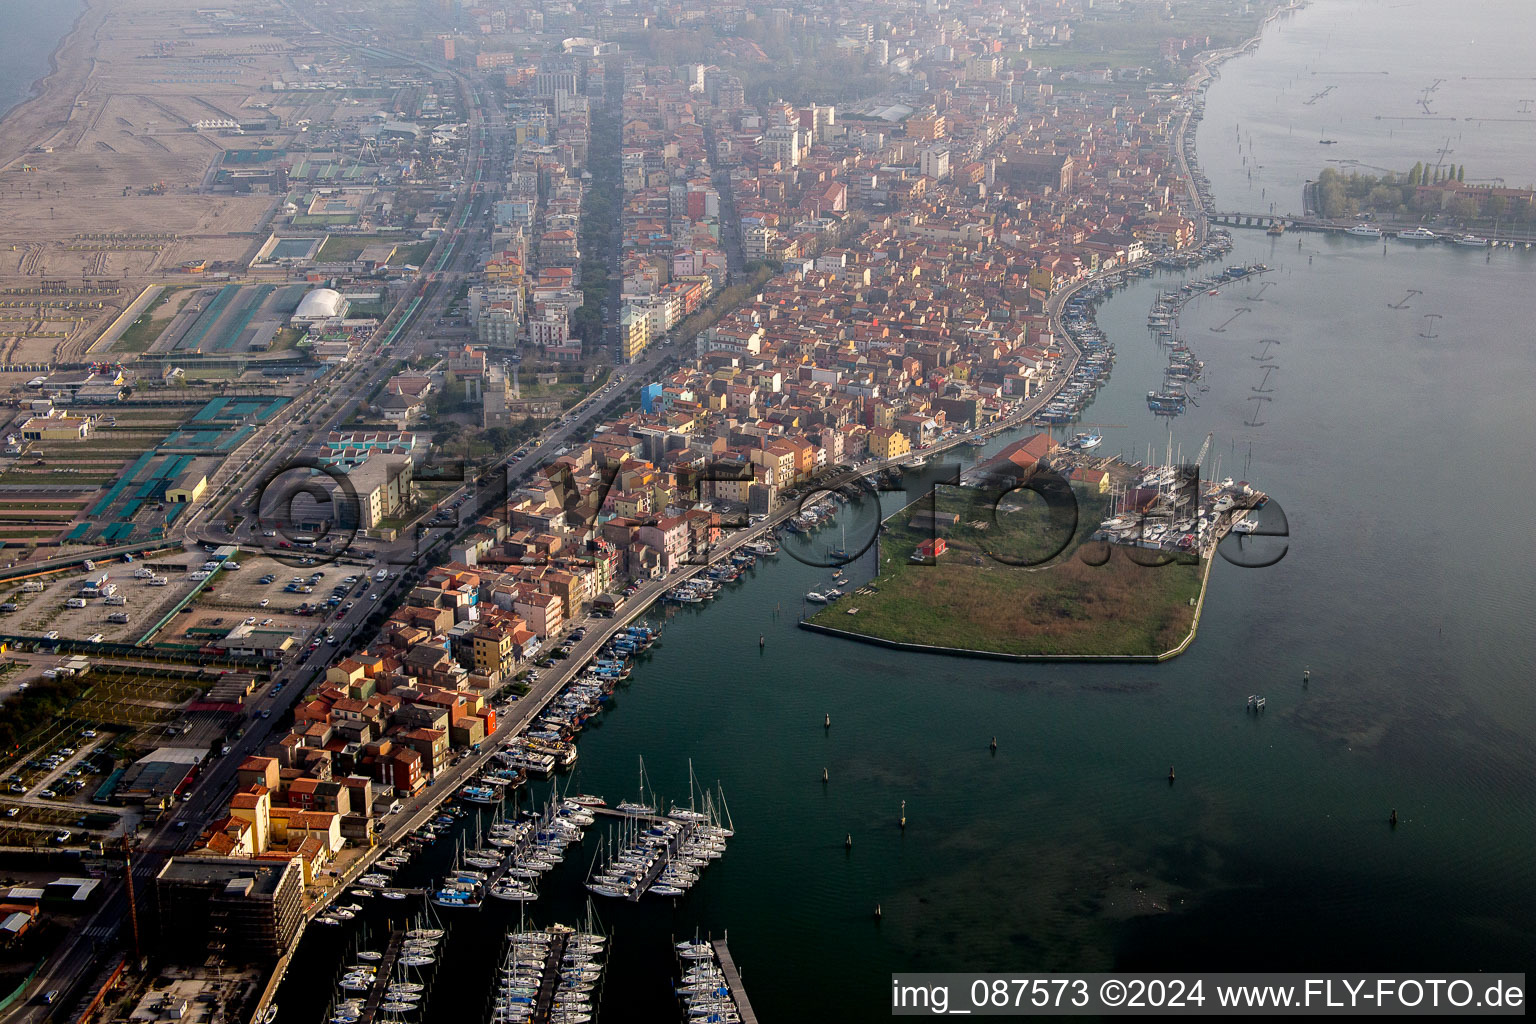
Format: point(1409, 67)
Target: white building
point(321, 304)
point(933, 162)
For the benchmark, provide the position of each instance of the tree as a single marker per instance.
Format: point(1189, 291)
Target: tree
point(1461, 173)
point(1416, 175)
point(1463, 208)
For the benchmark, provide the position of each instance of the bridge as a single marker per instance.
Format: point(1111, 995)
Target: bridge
point(1292, 222)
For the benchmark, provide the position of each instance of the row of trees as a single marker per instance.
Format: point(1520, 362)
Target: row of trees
point(1426, 174)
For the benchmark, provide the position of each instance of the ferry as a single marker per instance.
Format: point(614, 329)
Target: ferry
point(1083, 442)
point(1417, 235)
point(1472, 241)
point(1364, 231)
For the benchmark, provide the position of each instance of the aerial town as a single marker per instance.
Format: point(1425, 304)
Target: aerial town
point(374, 377)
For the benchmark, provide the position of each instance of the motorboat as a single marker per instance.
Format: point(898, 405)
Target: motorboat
point(1084, 442)
point(1472, 241)
point(1420, 234)
point(1364, 231)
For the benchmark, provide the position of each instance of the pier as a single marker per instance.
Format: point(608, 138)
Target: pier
point(544, 1002)
point(733, 982)
point(381, 978)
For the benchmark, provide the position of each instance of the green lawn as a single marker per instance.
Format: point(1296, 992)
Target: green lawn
point(143, 331)
point(980, 595)
point(286, 338)
point(415, 255)
point(341, 248)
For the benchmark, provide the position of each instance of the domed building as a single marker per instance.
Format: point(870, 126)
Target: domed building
point(320, 304)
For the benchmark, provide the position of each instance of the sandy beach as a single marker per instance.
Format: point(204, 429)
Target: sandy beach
point(69, 68)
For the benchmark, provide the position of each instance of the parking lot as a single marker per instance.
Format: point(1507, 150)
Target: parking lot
point(61, 603)
point(279, 596)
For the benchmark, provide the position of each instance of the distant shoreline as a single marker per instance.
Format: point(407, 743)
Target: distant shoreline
point(39, 85)
point(24, 120)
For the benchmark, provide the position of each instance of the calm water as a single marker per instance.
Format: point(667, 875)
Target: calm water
point(1402, 464)
point(29, 32)
point(1356, 71)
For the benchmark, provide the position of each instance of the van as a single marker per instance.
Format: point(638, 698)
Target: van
point(50, 996)
point(33, 587)
point(75, 602)
point(117, 599)
point(118, 617)
point(158, 581)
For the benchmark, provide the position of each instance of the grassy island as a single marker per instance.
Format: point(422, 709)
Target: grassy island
point(984, 594)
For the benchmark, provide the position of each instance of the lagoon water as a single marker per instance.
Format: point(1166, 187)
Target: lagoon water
point(1402, 464)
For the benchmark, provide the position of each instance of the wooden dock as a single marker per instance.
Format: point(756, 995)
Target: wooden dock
point(381, 978)
point(733, 982)
point(544, 1002)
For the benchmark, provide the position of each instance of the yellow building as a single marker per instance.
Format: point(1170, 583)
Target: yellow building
point(188, 487)
point(57, 426)
point(634, 334)
point(888, 444)
point(492, 647)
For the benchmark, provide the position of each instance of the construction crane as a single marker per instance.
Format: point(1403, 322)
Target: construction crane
point(1200, 459)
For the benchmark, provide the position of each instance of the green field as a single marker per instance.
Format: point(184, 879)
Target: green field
point(342, 248)
point(415, 255)
point(984, 593)
point(143, 331)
